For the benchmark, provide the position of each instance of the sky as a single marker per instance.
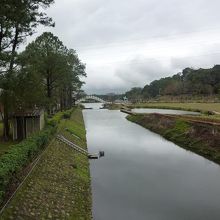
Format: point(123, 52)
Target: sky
point(129, 43)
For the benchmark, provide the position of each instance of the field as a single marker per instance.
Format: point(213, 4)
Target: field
point(59, 185)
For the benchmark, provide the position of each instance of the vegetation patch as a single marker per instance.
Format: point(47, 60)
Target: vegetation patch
point(59, 186)
point(195, 136)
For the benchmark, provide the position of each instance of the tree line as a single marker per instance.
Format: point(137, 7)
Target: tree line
point(190, 82)
point(45, 74)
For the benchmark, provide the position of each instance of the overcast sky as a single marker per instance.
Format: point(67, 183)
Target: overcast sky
point(129, 43)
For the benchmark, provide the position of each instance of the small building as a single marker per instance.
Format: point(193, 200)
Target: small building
point(25, 123)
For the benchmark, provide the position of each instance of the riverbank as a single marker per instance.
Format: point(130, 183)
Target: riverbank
point(59, 185)
point(201, 137)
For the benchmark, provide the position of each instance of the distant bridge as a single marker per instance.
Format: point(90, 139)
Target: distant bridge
point(89, 97)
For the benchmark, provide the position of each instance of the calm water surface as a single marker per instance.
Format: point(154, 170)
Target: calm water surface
point(164, 111)
point(144, 177)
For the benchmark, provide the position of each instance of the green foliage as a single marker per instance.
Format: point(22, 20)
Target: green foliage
point(18, 19)
point(46, 73)
point(56, 69)
point(56, 119)
point(135, 118)
point(181, 126)
point(67, 115)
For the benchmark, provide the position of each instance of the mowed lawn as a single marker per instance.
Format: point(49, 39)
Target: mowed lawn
point(187, 106)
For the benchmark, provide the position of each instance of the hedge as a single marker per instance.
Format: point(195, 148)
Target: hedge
point(20, 155)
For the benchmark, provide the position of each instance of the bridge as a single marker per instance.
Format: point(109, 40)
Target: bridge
point(89, 97)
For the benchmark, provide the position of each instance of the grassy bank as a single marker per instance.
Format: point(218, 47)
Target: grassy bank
point(59, 185)
point(197, 137)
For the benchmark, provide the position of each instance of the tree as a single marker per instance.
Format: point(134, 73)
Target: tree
point(18, 19)
point(58, 69)
point(135, 94)
point(188, 82)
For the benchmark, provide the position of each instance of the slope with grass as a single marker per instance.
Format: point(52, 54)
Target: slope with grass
point(59, 185)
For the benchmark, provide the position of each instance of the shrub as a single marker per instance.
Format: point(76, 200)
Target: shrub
point(55, 120)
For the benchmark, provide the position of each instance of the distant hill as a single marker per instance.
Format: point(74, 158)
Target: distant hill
point(190, 81)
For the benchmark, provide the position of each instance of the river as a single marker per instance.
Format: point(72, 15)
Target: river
point(164, 111)
point(145, 177)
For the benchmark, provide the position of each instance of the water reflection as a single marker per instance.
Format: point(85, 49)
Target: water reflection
point(143, 176)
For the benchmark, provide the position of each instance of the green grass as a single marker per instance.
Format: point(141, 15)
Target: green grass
point(181, 126)
point(59, 186)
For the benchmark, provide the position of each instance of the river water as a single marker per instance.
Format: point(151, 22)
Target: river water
point(145, 177)
point(164, 111)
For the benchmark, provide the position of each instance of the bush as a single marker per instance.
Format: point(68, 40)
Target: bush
point(55, 120)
